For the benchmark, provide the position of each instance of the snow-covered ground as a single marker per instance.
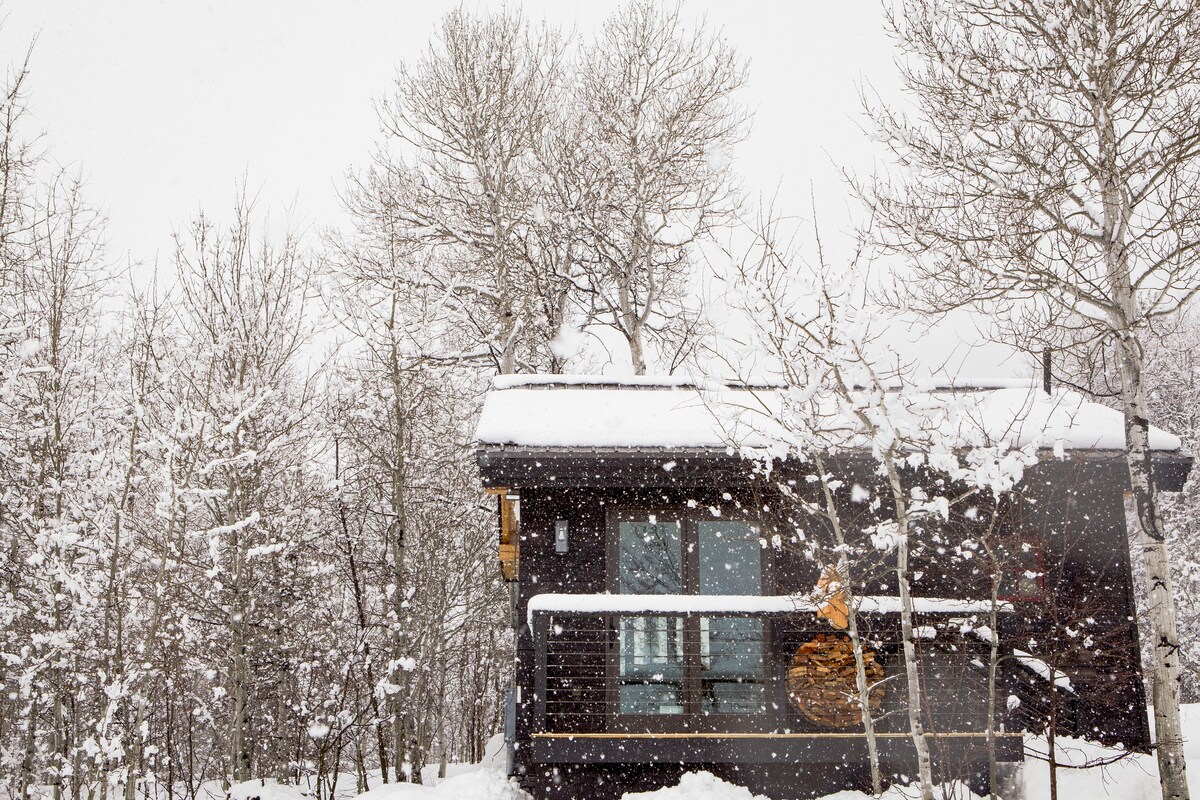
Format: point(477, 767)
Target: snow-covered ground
point(1131, 778)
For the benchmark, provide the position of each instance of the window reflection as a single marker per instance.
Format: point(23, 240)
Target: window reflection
point(730, 558)
point(1022, 572)
point(651, 561)
point(652, 665)
point(731, 665)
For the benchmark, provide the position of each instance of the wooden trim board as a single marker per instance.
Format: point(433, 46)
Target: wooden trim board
point(706, 735)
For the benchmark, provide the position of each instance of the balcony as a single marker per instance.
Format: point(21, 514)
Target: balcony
point(729, 679)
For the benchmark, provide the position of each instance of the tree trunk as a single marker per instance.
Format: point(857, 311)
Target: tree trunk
point(993, 662)
point(368, 656)
point(58, 747)
point(1051, 746)
point(395, 543)
point(1168, 728)
point(25, 783)
point(416, 739)
point(993, 652)
point(239, 746)
point(637, 352)
point(860, 666)
point(239, 735)
point(911, 673)
point(1161, 596)
point(864, 697)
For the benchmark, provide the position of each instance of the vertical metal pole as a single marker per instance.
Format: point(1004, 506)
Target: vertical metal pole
point(541, 621)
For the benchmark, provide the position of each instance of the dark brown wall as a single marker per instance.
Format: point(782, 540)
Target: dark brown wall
point(1087, 624)
point(1074, 508)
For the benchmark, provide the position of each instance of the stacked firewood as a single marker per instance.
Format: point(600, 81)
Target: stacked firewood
point(822, 684)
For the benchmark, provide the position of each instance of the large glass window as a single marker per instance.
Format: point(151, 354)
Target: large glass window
point(731, 651)
point(652, 664)
point(651, 559)
point(652, 648)
point(671, 665)
point(730, 558)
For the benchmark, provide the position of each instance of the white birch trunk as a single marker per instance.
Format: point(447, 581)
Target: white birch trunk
point(1160, 593)
point(860, 667)
point(1168, 728)
point(911, 673)
point(993, 663)
point(864, 695)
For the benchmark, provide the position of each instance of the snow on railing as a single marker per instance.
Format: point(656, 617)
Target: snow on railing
point(1043, 670)
point(740, 604)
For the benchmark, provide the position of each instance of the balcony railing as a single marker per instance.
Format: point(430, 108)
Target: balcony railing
point(611, 665)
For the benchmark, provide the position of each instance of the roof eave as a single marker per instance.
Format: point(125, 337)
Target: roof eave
point(1171, 467)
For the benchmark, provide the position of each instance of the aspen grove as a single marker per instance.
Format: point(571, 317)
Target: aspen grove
point(242, 530)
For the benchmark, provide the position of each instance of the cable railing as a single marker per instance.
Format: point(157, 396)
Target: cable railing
point(657, 668)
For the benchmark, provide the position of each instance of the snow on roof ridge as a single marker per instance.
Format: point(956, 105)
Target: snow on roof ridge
point(614, 381)
point(530, 380)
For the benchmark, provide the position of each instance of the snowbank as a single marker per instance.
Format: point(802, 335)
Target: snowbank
point(697, 786)
point(480, 784)
point(705, 786)
point(266, 789)
point(1132, 778)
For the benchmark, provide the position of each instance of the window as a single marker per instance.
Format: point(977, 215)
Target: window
point(650, 561)
point(1022, 569)
point(674, 665)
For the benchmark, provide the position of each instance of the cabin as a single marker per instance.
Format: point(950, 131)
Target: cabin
point(667, 616)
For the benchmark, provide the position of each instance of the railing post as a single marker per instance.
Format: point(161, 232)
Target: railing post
point(541, 620)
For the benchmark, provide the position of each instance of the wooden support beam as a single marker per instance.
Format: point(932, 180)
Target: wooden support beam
point(509, 529)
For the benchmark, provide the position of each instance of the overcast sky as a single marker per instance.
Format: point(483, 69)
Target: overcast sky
point(165, 105)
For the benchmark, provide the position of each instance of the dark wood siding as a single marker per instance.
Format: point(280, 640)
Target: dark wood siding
point(1086, 626)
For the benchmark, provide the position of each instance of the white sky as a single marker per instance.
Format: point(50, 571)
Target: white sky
point(165, 105)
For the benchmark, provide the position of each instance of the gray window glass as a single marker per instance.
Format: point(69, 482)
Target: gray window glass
point(730, 558)
point(651, 557)
point(652, 665)
point(731, 648)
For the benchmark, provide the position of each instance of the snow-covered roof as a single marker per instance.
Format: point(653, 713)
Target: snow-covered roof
point(668, 413)
point(680, 381)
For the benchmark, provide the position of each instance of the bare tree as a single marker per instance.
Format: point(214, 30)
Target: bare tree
point(849, 568)
point(56, 418)
point(242, 306)
point(827, 358)
point(402, 422)
point(1050, 161)
point(655, 120)
point(847, 389)
point(458, 180)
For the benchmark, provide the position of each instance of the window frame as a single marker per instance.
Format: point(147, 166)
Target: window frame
point(693, 717)
point(1002, 570)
